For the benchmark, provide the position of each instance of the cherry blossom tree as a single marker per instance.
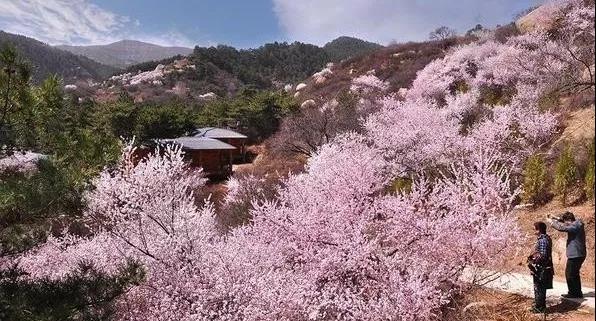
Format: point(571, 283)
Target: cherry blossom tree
point(368, 83)
point(353, 247)
point(143, 212)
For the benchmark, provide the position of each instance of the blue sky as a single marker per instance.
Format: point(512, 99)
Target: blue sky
point(243, 23)
point(246, 23)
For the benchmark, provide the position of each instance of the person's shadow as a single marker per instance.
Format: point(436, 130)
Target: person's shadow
point(590, 294)
point(566, 305)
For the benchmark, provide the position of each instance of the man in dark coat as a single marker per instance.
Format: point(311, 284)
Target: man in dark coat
point(540, 263)
point(576, 251)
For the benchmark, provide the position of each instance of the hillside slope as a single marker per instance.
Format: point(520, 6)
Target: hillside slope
point(48, 60)
point(223, 70)
point(397, 65)
point(124, 53)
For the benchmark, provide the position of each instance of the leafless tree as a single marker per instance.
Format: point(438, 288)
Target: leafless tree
point(314, 126)
point(442, 33)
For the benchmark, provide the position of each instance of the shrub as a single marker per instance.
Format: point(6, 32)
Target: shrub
point(535, 180)
point(496, 95)
point(549, 101)
point(565, 173)
point(401, 185)
point(589, 177)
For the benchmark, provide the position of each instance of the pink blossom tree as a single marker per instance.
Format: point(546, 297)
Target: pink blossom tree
point(141, 212)
point(367, 84)
point(355, 250)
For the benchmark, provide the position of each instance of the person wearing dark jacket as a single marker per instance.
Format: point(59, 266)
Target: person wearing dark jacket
point(576, 251)
point(540, 263)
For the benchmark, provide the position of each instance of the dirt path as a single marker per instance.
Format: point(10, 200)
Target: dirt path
point(520, 283)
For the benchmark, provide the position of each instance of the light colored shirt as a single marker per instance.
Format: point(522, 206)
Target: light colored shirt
point(576, 237)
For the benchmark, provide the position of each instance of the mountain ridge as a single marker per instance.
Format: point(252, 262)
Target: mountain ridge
point(46, 60)
point(126, 52)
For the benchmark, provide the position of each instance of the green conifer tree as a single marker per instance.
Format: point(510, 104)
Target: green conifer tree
point(589, 178)
point(535, 180)
point(565, 173)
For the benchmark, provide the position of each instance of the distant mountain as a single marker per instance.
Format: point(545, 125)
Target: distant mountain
point(124, 53)
point(347, 47)
point(48, 60)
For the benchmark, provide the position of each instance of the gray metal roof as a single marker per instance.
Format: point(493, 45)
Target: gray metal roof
point(199, 143)
point(214, 132)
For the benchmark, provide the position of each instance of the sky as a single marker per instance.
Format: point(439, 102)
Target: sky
point(246, 23)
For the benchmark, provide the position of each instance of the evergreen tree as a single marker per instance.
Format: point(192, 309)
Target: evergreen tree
point(534, 186)
point(565, 173)
point(15, 100)
point(589, 178)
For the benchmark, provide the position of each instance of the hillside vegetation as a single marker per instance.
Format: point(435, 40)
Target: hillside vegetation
point(348, 47)
point(47, 60)
point(225, 70)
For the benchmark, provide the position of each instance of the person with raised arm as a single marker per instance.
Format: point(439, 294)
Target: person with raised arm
point(576, 250)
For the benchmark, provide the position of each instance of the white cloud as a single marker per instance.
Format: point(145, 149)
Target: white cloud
point(60, 21)
point(75, 22)
point(318, 21)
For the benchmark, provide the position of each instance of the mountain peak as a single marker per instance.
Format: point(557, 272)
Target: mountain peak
point(126, 52)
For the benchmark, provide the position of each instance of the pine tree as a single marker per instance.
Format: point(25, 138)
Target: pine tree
point(565, 173)
point(534, 186)
point(589, 178)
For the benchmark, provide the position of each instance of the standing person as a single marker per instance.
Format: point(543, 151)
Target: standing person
point(576, 251)
point(540, 263)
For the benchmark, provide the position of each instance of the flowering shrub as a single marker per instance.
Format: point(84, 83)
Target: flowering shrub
point(365, 84)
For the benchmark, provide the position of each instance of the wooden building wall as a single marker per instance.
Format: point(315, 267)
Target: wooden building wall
point(216, 162)
point(240, 144)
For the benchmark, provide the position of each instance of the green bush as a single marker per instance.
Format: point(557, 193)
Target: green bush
point(549, 101)
point(496, 95)
point(85, 294)
point(589, 177)
point(124, 118)
point(565, 173)
point(401, 185)
point(535, 180)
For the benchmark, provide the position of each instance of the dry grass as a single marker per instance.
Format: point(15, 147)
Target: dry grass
point(490, 305)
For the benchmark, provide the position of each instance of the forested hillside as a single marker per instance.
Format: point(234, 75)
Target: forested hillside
point(224, 70)
point(47, 60)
